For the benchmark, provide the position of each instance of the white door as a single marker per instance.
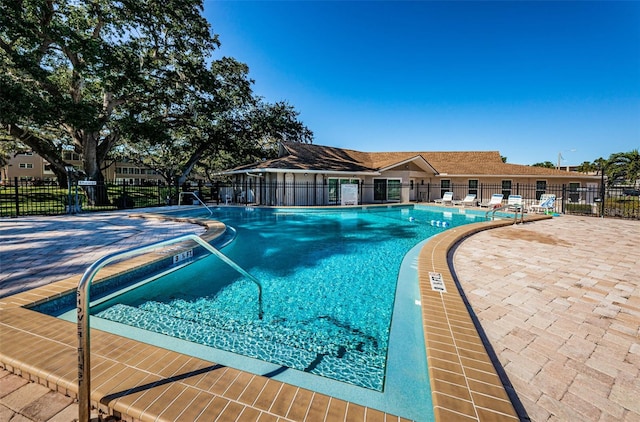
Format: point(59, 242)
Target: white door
point(289, 189)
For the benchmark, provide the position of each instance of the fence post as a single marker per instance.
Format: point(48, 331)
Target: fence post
point(602, 191)
point(17, 197)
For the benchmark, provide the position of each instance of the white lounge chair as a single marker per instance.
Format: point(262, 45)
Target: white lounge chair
point(496, 200)
point(547, 200)
point(514, 202)
point(469, 200)
point(447, 199)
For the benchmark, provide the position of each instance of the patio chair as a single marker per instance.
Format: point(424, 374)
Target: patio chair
point(447, 199)
point(469, 200)
point(496, 200)
point(514, 202)
point(546, 203)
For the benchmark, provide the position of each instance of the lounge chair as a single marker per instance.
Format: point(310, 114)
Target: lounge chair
point(514, 202)
point(469, 200)
point(447, 198)
point(496, 200)
point(546, 203)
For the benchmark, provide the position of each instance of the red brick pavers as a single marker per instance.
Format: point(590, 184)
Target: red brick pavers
point(559, 301)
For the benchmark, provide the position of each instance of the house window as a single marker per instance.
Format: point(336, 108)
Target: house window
point(386, 189)
point(393, 189)
point(334, 188)
point(541, 188)
point(379, 189)
point(574, 192)
point(26, 165)
point(506, 188)
point(473, 187)
point(70, 156)
point(445, 186)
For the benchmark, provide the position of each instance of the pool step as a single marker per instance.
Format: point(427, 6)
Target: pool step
point(280, 345)
point(323, 335)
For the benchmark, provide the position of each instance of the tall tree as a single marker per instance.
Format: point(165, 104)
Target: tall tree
point(222, 140)
point(624, 167)
point(81, 72)
point(588, 167)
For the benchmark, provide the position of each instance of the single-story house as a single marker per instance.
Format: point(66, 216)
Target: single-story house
point(309, 174)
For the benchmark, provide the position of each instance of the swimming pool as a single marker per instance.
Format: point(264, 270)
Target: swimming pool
point(331, 306)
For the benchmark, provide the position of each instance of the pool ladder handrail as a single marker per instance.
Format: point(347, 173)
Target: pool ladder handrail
point(515, 209)
point(82, 302)
point(197, 199)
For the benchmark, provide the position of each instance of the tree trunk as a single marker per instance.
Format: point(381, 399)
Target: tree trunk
point(96, 195)
point(197, 155)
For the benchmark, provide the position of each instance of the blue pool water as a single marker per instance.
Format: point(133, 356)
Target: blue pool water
point(329, 281)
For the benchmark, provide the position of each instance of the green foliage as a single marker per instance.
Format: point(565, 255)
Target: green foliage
point(623, 168)
point(579, 208)
point(546, 164)
point(111, 77)
point(587, 167)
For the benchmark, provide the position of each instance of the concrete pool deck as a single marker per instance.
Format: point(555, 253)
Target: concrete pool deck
point(581, 262)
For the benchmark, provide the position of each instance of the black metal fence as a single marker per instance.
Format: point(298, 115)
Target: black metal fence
point(595, 200)
point(20, 198)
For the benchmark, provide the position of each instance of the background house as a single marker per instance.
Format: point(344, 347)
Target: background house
point(27, 166)
point(308, 174)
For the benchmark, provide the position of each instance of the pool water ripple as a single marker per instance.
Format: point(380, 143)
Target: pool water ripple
point(328, 280)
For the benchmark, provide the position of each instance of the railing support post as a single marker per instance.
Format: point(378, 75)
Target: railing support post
point(16, 197)
point(197, 199)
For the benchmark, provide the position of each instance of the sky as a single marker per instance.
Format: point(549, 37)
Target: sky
point(537, 81)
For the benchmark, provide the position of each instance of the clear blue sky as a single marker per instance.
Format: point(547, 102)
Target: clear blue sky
point(529, 79)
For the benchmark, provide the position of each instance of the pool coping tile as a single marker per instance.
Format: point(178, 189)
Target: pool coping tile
point(451, 338)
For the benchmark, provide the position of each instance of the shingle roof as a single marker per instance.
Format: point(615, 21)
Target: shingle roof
point(482, 163)
point(300, 156)
point(311, 157)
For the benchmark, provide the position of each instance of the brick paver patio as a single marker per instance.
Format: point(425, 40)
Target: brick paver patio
point(560, 302)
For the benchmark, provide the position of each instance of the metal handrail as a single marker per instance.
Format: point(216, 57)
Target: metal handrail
point(515, 208)
point(198, 199)
point(82, 301)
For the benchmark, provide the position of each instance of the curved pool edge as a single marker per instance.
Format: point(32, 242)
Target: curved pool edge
point(465, 384)
point(213, 228)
